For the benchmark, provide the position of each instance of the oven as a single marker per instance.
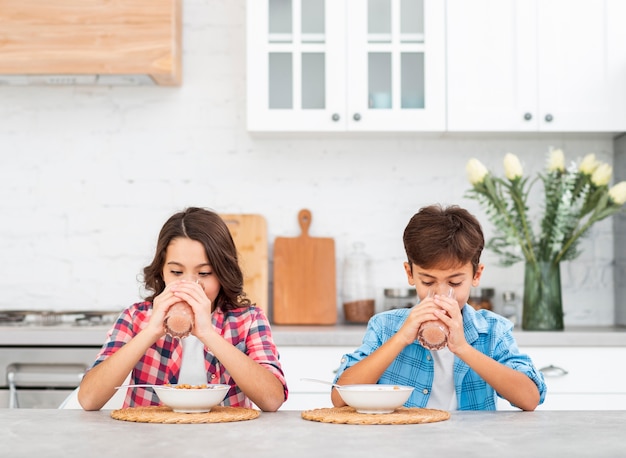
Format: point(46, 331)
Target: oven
point(44, 355)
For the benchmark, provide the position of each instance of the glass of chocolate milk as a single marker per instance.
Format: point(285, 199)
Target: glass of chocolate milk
point(433, 335)
point(179, 318)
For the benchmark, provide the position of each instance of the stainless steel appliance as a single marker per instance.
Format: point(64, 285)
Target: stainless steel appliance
point(44, 354)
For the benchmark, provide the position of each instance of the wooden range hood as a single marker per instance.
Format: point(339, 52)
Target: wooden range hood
point(90, 42)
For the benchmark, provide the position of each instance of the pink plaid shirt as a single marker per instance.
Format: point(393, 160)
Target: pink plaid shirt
point(246, 328)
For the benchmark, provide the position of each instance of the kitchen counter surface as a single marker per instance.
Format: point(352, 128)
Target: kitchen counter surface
point(339, 335)
point(352, 335)
point(75, 433)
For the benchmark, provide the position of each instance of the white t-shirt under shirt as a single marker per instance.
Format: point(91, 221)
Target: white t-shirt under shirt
point(443, 394)
point(192, 368)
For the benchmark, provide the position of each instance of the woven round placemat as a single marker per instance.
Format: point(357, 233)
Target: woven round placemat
point(401, 416)
point(162, 414)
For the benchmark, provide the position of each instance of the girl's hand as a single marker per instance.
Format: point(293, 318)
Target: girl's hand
point(193, 293)
point(449, 313)
point(160, 306)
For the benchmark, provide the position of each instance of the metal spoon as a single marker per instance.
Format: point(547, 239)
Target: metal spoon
point(321, 381)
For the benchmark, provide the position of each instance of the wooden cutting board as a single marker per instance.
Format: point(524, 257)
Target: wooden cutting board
point(304, 278)
point(250, 235)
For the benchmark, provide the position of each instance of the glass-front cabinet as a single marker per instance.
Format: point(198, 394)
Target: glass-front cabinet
point(346, 65)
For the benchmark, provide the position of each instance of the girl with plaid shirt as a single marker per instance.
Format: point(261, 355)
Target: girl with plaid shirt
point(230, 342)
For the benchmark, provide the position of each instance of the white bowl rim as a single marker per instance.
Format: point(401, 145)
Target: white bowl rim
point(375, 387)
point(209, 386)
point(192, 400)
point(375, 398)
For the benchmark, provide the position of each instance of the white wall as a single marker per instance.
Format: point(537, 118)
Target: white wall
point(89, 174)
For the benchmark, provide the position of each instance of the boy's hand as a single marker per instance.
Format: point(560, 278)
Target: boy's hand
point(449, 313)
point(424, 311)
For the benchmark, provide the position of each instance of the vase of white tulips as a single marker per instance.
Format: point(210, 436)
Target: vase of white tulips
point(576, 197)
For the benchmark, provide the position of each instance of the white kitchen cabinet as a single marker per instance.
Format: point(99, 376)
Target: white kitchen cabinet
point(580, 378)
point(346, 65)
point(536, 65)
point(310, 362)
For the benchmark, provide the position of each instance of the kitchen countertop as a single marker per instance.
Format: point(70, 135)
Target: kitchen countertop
point(76, 433)
point(352, 335)
point(338, 335)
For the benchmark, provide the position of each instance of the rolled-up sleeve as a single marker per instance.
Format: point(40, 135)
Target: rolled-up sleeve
point(261, 348)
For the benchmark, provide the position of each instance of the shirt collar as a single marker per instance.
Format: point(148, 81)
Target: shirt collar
point(473, 323)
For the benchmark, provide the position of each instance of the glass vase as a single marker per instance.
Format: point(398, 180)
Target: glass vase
point(543, 307)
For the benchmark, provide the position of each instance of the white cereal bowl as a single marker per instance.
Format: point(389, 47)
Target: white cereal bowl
point(375, 398)
point(186, 399)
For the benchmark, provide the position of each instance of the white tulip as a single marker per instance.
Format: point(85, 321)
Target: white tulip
point(556, 161)
point(512, 167)
point(476, 171)
point(602, 175)
point(618, 193)
point(589, 164)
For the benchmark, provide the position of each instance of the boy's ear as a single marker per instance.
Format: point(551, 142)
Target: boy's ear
point(478, 274)
point(409, 274)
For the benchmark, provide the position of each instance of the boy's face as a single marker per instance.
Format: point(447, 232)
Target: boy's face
point(460, 278)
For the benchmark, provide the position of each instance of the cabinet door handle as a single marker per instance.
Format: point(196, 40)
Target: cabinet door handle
point(553, 371)
point(336, 117)
point(356, 117)
point(528, 116)
point(549, 118)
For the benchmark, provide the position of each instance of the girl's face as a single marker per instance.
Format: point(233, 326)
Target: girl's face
point(460, 279)
point(185, 257)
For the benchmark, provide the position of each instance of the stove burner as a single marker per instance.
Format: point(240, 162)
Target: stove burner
point(95, 318)
point(54, 318)
point(12, 317)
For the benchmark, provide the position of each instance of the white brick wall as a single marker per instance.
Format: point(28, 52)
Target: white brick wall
point(88, 175)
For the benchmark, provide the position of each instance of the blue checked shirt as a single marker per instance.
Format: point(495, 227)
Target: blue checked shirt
point(486, 331)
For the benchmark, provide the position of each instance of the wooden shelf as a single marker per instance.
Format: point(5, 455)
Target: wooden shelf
point(104, 37)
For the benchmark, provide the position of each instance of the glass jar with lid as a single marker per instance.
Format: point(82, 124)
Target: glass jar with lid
point(481, 298)
point(357, 291)
point(510, 306)
point(397, 298)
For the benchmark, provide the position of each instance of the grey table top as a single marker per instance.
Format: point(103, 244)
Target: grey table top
point(69, 433)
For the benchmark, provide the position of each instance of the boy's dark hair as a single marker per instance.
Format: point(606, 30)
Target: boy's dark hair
point(438, 237)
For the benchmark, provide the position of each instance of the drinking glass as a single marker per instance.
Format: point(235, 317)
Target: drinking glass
point(433, 335)
point(178, 321)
